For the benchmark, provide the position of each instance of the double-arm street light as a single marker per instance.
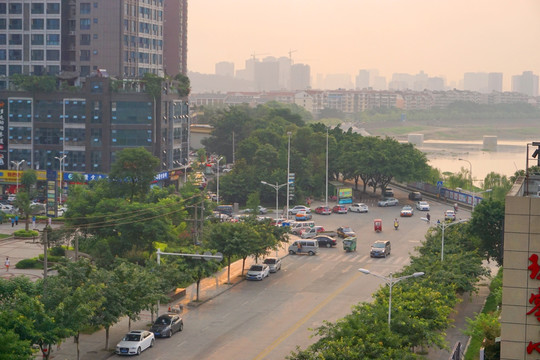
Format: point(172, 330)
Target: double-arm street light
point(276, 187)
point(60, 169)
point(390, 281)
point(470, 172)
point(17, 164)
point(443, 225)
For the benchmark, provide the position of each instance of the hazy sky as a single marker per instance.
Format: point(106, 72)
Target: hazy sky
point(441, 37)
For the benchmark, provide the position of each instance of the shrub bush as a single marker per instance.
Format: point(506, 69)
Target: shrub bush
point(29, 264)
point(57, 251)
point(24, 233)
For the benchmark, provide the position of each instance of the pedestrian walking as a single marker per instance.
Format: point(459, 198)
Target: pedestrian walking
point(16, 219)
point(34, 222)
point(428, 217)
point(12, 222)
point(7, 263)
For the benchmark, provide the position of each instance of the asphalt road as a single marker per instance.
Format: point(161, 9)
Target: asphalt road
point(270, 318)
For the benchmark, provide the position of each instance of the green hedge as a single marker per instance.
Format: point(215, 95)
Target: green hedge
point(24, 233)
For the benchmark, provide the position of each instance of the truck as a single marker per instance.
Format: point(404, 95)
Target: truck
point(316, 230)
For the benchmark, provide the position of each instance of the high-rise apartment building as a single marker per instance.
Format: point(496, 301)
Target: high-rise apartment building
point(175, 37)
point(125, 37)
point(526, 83)
point(30, 38)
point(300, 77)
point(225, 68)
point(495, 82)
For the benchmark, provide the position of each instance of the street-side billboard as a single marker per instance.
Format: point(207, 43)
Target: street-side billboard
point(3, 135)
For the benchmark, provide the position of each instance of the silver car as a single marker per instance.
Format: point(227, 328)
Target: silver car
point(258, 272)
point(388, 202)
point(274, 263)
point(135, 342)
point(359, 208)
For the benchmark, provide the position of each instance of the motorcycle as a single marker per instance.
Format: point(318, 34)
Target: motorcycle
point(396, 225)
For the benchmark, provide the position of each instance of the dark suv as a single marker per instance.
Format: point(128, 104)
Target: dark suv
point(388, 192)
point(415, 196)
point(380, 248)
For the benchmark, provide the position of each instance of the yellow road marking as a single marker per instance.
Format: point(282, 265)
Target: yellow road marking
point(303, 320)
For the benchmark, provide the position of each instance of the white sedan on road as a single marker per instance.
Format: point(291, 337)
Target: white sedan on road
point(422, 206)
point(135, 342)
point(359, 208)
point(258, 272)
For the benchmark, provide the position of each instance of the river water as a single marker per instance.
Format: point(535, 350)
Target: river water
point(506, 159)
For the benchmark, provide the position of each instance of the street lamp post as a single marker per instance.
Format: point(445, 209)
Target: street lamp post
point(61, 160)
point(470, 173)
point(288, 169)
point(17, 164)
point(390, 281)
point(217, 187)
point(326, 204)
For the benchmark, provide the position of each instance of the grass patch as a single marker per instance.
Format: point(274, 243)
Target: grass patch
point(3, 236)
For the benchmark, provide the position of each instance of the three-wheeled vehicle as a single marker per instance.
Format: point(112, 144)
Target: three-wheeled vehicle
point(377, 225)
point(349, 244)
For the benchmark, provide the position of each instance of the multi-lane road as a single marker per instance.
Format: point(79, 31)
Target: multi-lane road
point(270, 318)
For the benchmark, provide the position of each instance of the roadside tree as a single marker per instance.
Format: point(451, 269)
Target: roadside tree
point(487, 224)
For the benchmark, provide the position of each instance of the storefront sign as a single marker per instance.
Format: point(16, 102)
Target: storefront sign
point(534, 299)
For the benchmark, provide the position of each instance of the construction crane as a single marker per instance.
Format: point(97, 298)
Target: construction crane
point(290, 55)
point(254, 56)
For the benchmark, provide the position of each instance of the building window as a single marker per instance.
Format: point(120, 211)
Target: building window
point(85, 39)
point(85, 24)
point(15, 69)
point(2, 24)
point(85, 70)
point(53, 39)
point(95, 36)
point(15, 8)
point(37, 8)
point(97, 113)
point(38, 24)
point(75, 137)
point(96, 137)
point(131, 137)
point(53, 8)
point(15, 39)
point(53, 69)
point(95, 158)
point(85, 8)
point(2, 54)
point(3, 8)
point(38, 70)
point(95, 5)
point(53, 24)
point(3, 70)
point(131, 112)
point(15, 54)
point(95, 20)
point(15, 24)
point(53, 55)
point(37, 55)
point(85, 55)
point(37, 39)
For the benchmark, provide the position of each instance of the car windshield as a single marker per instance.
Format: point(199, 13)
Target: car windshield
point(163, 320)
point(132, 337)
point(270, 261)
point(378, 245)
point(347, 229)
point(407, 207)
point(256, 268)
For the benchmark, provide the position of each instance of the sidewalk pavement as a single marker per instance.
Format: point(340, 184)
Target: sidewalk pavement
point(92, 346)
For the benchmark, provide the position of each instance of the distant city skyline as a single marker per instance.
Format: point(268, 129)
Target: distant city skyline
point(444, 38)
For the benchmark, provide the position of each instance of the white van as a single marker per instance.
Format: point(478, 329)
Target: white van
point(297, 227)
point(304, 246)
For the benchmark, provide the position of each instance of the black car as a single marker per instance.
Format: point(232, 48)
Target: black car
point(325, 240)
point(415, 196)
point(166, 325)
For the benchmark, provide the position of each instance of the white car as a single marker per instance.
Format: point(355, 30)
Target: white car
point(388, 202)
point(274, 263)
point(299, 208)
point(258, 272)
point(450, 215)
point(135, 342)
point(8, 209)
point(422, 206)
point(359, 208)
